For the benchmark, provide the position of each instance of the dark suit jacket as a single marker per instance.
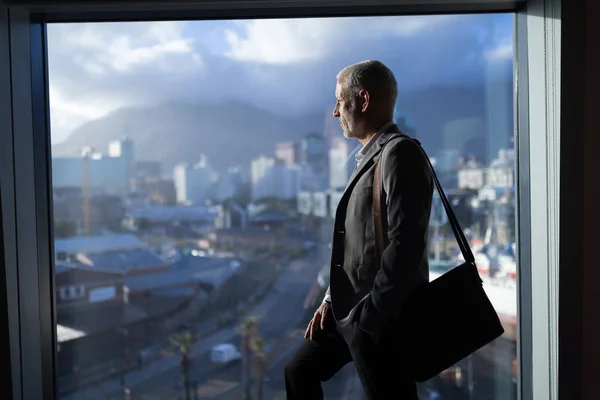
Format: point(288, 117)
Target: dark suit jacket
point(362, 296)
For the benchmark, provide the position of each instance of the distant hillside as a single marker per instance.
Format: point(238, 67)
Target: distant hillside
point(229, 134)
point(234, 133)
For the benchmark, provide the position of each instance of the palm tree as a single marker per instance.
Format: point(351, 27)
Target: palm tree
point(246, 329)
point(184, 342)
point(260, 363)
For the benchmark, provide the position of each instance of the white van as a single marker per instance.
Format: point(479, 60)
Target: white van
point(224, 353)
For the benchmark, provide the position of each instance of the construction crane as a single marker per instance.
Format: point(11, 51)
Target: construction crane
point(85, 158)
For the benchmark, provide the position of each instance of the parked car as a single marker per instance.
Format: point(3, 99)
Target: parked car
point(224, 353)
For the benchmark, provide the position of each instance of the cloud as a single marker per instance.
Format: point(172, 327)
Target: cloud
point(287, 66)
point(280, 41)
point(501, 52)
point(285, 41)
point(67, 114)
point(104, 48)
point(96, 68)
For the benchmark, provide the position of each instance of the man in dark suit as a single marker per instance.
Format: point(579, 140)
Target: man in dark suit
point(357, 319)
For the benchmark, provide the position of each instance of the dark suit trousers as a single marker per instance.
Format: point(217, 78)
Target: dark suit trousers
point(381, 371)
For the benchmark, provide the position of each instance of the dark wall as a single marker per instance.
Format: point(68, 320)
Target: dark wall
point(6, 382)
point(579, 325)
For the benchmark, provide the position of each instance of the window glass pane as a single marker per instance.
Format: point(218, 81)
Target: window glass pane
point(197, 167)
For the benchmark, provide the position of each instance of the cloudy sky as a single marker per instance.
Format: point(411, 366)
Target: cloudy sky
point(287, 66)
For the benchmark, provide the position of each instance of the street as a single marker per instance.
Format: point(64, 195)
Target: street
point(279, 313)
point(280, 325)
point(285, 317)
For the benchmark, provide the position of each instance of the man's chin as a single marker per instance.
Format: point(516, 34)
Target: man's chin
point(347, 135)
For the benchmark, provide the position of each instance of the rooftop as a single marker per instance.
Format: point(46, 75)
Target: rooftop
point(64, 333)
point(174, 213)
point(62, 267)
point(191, 269)
point(122, 261)
point(245, 232)
point(269, 215)
point(97, 244)
point(79, 323)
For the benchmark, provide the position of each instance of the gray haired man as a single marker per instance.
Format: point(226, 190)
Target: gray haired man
point(360, 313)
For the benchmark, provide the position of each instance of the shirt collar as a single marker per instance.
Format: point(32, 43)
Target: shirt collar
point(361, 154)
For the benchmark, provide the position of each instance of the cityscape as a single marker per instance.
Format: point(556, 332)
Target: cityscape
point(194, 278)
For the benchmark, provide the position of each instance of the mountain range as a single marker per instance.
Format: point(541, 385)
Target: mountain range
point(233, 133)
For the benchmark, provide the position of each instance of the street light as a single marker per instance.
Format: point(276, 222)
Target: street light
point(124, 332)
point(470, 376)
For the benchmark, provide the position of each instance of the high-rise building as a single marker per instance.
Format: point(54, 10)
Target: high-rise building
point(194, 182)
point(288, 152)
point(112, 174)
point(314, 152)
point(124, 149)
point(144, 170)
point(341, 162)
point(272, 178)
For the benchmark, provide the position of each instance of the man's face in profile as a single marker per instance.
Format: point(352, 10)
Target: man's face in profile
point(347, 111)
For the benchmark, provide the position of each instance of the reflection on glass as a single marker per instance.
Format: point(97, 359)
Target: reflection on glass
point(196, 169)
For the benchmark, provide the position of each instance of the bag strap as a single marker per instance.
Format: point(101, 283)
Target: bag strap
point(381, 239)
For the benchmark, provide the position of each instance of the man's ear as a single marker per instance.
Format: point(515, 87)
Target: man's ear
point(365, 99)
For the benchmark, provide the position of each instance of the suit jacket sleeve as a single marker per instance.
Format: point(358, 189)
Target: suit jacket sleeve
point(407, 183)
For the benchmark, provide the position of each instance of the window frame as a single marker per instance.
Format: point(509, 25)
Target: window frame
point(25, 175)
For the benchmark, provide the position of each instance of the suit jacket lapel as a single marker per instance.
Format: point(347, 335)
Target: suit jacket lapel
point(369, 158)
